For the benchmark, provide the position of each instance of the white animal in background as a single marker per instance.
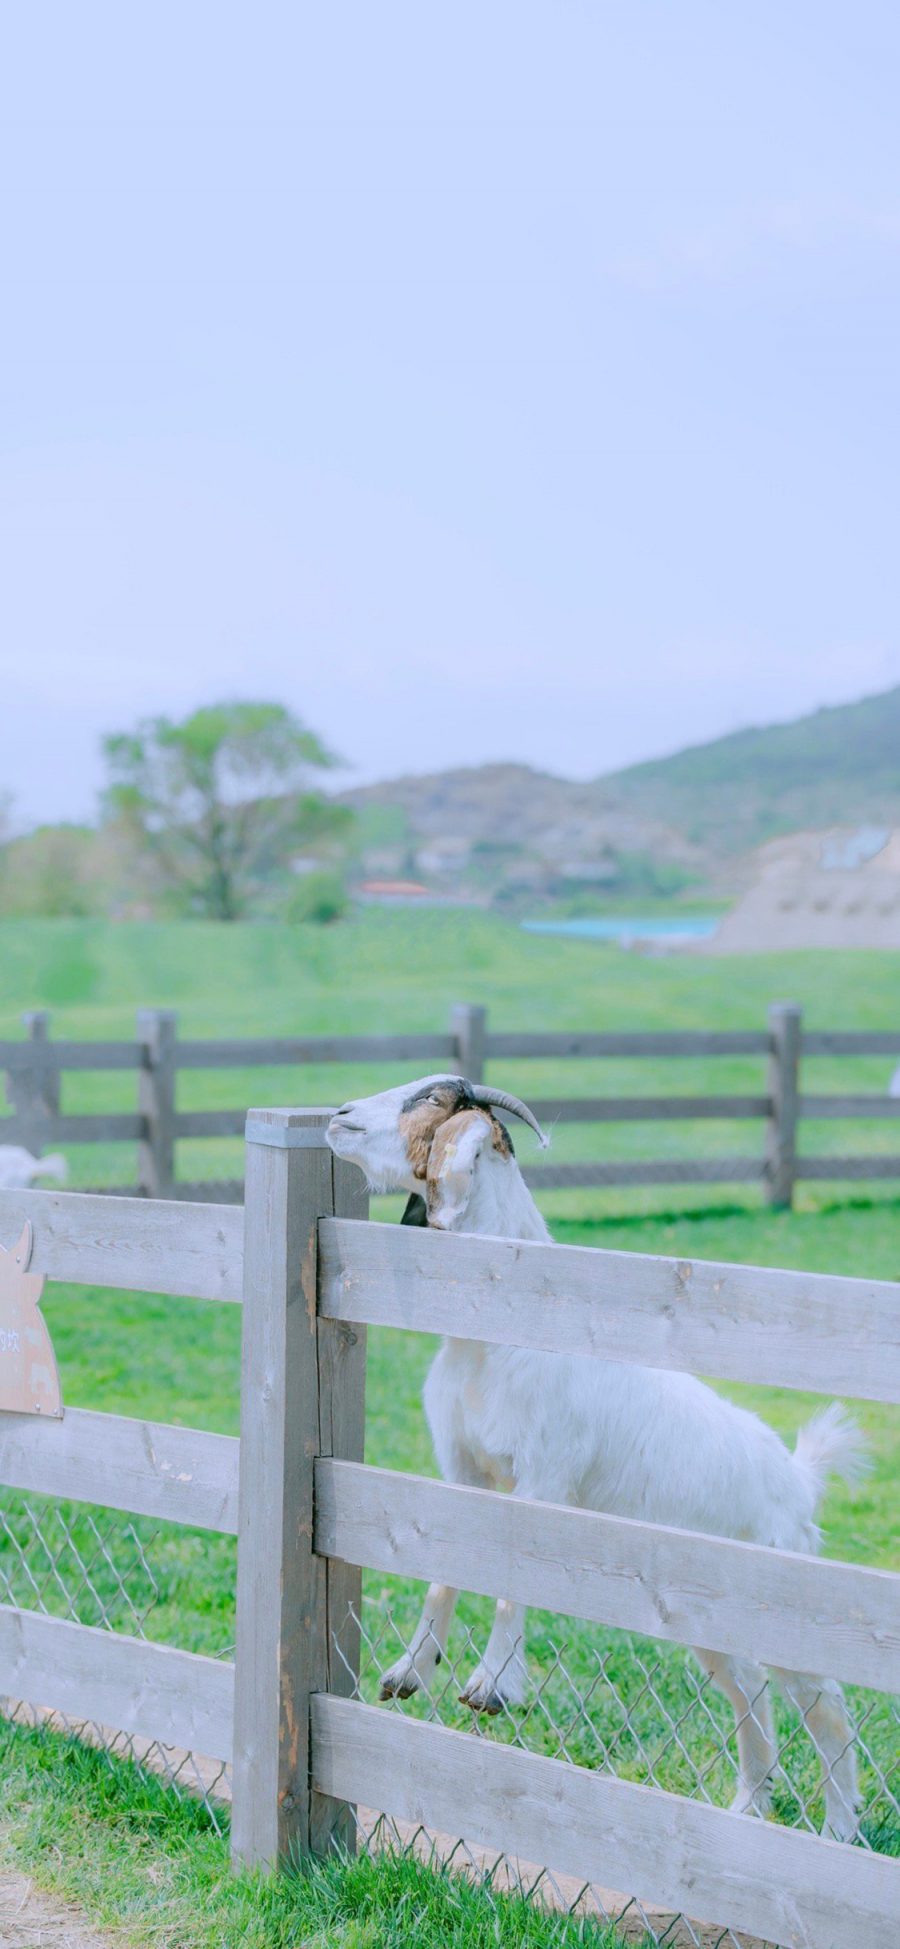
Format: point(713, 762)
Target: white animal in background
point(629, 1440)
point(18, 1168)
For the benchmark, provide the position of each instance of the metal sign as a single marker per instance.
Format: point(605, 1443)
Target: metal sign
point(29, 1382)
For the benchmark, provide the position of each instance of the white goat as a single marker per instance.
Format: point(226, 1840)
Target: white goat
point(18, 1168)
point(633, 1441)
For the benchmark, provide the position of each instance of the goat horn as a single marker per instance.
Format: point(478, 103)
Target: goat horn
point(484, 1094)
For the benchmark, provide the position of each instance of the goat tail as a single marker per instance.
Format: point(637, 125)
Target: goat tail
point(54, 1166)
point(832, 1443)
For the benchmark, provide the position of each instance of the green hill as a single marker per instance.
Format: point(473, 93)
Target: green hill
point(838, 766)
point(511, 833)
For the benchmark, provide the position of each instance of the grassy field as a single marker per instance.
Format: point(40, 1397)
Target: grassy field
point(385, 971)
point(179, 1360)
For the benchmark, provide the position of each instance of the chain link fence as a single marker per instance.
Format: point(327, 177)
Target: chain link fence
point(603, 1699)
point(625, 1705)
point(607, 1700)
point(124, 1574)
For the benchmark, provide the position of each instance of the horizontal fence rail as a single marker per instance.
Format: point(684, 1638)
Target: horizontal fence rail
point(311, 1272)
point(134, 1686)
point(807, 1330)
point(192, 1250)
point(646, 1109)
point(564, 1044)
point(770, 1605)
point(288, 1052)
point(148, 1468)
point(34, 1068)
point(665, 1170)
point(789, 1887)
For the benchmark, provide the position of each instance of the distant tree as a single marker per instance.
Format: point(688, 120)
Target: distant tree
point(55, 871)
point(220, 803)
point(320, 897)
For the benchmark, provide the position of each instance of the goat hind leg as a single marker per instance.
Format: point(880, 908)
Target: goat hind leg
point(820, 1703)
point(746, 1688)
point(418, 1663)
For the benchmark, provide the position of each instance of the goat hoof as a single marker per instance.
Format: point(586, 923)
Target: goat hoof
point(490, 1703)
point(397, 1685)
point(845, 1830)
point(755, 1804)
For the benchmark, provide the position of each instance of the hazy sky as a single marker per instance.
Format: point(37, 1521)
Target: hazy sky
point(499, 380)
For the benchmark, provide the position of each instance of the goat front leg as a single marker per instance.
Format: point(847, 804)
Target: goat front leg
point(501, 1678)
point(426, 1648)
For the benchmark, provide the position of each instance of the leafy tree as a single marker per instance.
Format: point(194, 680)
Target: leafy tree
point(220, 803)
point(320, 897)
point(57, 871)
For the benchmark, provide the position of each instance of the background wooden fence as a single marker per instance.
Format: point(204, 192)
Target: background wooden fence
point(313, 1272)
point(35, 1066)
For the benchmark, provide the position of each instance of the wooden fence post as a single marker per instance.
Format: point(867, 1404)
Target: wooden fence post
point(468, 1024)
point(302, 1395)
point(34, 1089)
point(785, 1029)
point(157, 1029)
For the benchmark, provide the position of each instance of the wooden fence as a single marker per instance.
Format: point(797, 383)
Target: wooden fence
point(34, 1068)
point(313, 1273)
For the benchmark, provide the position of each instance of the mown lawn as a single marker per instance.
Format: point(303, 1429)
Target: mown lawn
point(386, 971)
point(150, 1868)
point(179, 1360)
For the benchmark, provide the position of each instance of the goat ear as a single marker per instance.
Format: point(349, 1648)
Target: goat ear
point(452, 1163)
point(416, 1212)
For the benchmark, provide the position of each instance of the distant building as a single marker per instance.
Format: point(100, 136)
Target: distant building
point(836, 889)
point(444, 855)
point(394, 890)
point(410, 893)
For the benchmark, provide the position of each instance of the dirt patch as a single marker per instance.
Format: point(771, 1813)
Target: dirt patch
point(32, 1921)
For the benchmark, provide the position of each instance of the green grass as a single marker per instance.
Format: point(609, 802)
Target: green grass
point(102, 1835)
point(178, 1360)
point(385, 971)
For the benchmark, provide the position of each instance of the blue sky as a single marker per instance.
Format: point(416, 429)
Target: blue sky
point(496, 381)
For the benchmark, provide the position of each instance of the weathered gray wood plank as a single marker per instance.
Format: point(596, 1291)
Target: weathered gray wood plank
point(158, 1029)
point(801, 1613)
point(285, 1051)
point(341, 1360)
point(99, 1127)
point(792, 1329)
point(76, 1055)
point(851, 1042)
point(286, 1189)
point(785, 1028)
point(144, 1246)
point(210, 1123)
point(33, 1085)
point(468, 1027)
point(301, 1387)
point(212, 1191)
point(639, 1109)
point(858, 1167)
point(683, 1042)
point(664, 1170)
point(182, 1474)
point(671, 1852)
point(149, 1689)
point(849, 1106)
